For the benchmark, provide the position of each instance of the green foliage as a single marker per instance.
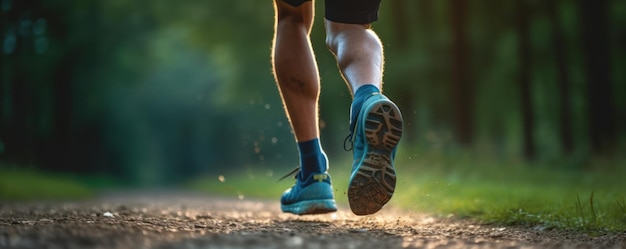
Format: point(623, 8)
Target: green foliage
point(155, 92)
point(20, 184)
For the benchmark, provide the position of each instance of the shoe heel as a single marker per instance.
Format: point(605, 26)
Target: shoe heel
point(383, 126)
point(372, 185)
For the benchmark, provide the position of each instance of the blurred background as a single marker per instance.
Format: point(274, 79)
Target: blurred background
point(156, 92)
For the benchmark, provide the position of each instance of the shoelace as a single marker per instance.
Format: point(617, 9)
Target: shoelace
point(349, 139)
point(294, 172)
point(346, 141)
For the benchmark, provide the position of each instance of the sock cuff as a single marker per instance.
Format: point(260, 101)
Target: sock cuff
point(365, 90)
point(359, 97)
point(310, 146)
point(312, 157)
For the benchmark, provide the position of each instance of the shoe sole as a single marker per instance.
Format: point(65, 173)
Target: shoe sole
point(311, 207)
point(373, 183)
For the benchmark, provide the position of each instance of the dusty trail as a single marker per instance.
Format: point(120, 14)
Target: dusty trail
point(175, 220)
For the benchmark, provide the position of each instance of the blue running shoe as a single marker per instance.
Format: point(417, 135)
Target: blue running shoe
point(375, 135)
point(311, 196)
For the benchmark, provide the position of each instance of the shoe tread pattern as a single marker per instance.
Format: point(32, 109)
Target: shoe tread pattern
point(374, 183)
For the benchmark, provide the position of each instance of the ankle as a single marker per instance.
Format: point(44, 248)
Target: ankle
point(361, 94)
point(312, 158)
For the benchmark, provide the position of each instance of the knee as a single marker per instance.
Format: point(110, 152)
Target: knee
point(333, 31)
point(287, 14)
point(336, 32)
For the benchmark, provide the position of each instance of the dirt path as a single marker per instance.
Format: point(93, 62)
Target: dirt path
point(177, 220)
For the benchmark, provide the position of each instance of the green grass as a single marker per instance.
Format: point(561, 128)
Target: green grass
point(256, 183)
point(546, 195)
point(26, 184)
point(543, 198)
point(543, 195)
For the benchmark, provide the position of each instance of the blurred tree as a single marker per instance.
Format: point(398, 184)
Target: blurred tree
point(561, 60)
point(462, 80)
point(425, 8)
point(19, 110)
point(596, 49)
point(400, 23)
point(156, 91)
point(404, 89)
point(524, 53)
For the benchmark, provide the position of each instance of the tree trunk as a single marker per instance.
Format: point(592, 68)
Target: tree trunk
point(400, 23)
point(558, 47)
point(58, 155)
point(525, 80)
point(405, 96)
point(462, 82)
point(3, 81)
point(425, 10)
point(595, 39)
point(19, 138)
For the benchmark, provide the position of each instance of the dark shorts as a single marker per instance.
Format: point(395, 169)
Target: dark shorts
point(347, 11)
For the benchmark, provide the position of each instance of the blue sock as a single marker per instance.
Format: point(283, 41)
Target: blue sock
point(359, 97)
point(312, 157)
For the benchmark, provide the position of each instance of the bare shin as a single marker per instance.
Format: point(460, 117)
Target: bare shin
point(295, 68)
